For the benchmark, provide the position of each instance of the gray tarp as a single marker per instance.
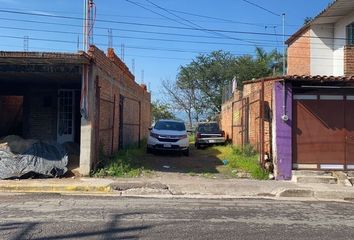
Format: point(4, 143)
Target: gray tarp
point(42, 158)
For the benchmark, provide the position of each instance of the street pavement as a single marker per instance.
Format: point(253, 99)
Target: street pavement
point(55, 216)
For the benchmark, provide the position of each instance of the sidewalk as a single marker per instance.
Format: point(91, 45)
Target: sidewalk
point(174, 185)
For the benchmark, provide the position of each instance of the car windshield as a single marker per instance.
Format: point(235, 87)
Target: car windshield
point(169, 125)
point(209, 128)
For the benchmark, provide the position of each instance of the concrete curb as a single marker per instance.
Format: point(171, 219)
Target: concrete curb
point(56, 189)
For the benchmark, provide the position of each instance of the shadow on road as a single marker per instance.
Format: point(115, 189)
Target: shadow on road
point(111, 230)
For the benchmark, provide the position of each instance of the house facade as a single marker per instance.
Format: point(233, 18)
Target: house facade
point(324, 46)
point(88, 99)
point(303, 120)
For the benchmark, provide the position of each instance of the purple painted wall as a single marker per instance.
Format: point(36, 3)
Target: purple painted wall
point(283, 132)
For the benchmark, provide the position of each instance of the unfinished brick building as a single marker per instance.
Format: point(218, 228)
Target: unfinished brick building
point(90, 99)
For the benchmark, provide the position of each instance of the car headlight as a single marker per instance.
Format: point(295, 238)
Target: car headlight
point(183, 136)
point(154, 135)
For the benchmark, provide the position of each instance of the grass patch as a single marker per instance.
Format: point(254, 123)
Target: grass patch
point(126, 163)
point(242, 160)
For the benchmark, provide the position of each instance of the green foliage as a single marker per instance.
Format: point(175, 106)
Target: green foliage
point(126, 163)
point(244, 160)
point(204, 78)
point(161, 111)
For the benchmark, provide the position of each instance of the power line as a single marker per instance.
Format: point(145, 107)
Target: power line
point(120, 29)
point(225, 20)
point(263, 8)
point(190, 25)
point(172, 27)
point(161, 49)
point(262, 44)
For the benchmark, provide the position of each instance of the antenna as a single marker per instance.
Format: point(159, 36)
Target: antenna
point(25, 43)
point(133, 66)
point(142, 76)
point(110, 38)
point(78, 42)
point(122, 52)
point(89, 22)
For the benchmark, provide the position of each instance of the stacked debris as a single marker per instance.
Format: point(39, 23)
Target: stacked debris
point(20, 157)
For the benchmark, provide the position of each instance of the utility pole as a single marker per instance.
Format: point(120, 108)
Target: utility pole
point(25, 43)
point(85, 25)
point(110, 38)
point(133, 66)
point(122, 51)
point(89, 19)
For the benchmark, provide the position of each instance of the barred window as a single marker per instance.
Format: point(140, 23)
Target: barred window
point(350, 34)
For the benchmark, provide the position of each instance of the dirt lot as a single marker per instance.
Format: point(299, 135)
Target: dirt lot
point(204, 162)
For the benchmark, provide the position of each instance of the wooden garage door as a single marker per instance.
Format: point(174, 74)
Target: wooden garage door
point(323, 132)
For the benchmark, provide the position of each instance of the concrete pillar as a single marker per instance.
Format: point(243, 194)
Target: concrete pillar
point(87, 139)
point(282, 131)
point(86, 147)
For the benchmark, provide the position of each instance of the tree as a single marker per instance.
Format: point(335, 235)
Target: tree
point(161, 111)
point(199, 86)
point(182, 98)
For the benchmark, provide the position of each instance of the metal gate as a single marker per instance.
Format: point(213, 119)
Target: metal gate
point(129, 121)
point(323, 132)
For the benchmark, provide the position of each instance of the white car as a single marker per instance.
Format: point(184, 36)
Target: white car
point(170, 135)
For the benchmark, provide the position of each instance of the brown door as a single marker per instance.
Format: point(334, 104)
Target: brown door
point(319, 131)
point(349, 122)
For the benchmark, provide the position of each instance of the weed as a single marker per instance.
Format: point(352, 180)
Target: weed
point(126, 163)
point(242, 159)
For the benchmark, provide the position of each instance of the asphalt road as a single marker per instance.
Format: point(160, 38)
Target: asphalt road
point(37, 216)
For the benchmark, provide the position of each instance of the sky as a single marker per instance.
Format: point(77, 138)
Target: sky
point(154, 32)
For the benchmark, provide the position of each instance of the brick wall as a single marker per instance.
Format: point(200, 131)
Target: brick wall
point(244, 114)
point(115, 80)
point(349, 60)
point(299, 62)
point(11, 108)
point(40, 117)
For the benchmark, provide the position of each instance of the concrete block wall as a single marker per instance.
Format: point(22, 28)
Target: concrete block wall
point(299, 54)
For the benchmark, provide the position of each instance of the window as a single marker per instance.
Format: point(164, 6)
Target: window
point(169, 125)
point(350, 34)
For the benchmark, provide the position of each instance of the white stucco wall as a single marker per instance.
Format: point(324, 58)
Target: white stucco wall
point(339, 43)
point(322, 49)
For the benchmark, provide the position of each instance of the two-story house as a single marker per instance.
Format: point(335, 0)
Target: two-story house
point(325, 45)
point(303, 120)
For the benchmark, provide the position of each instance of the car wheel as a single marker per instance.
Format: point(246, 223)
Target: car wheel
point(186, 152)
point(197, 145)
point(148, 150)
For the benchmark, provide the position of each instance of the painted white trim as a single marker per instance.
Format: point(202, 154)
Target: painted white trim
point(350, 167)
point(332, 166)
point(305, 97)
point(304, 166)
point(331, 97)
point(350, 97)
